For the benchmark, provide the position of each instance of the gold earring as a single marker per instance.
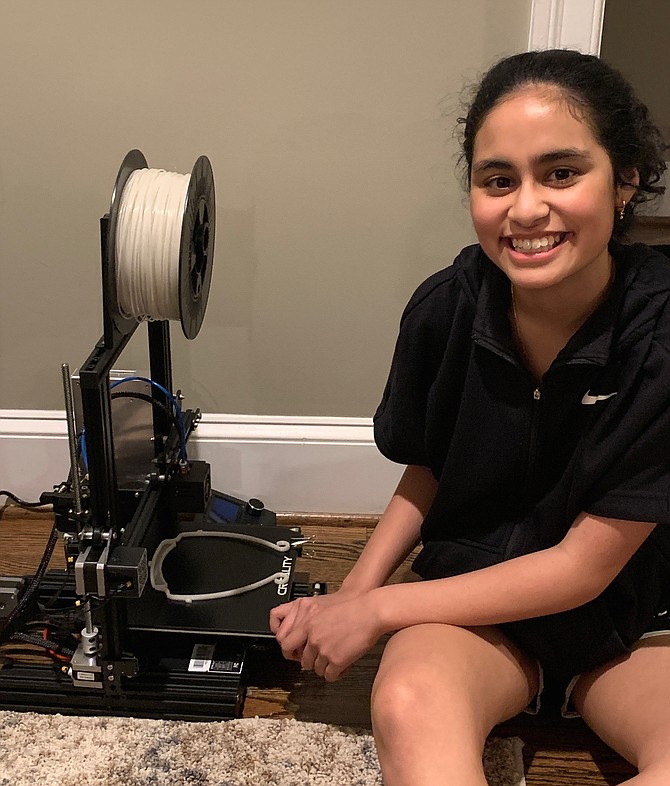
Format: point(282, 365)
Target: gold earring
point(622, 210)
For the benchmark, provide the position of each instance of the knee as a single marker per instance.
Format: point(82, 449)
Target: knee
point(401, 697)
point(395, 696)
point(460, 679)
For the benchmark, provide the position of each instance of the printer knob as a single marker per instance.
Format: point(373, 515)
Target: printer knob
point(255, 507)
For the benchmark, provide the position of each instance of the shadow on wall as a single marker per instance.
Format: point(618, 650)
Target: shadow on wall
point(213, 370)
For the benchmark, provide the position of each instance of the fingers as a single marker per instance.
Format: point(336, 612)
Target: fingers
point(304, 636)
point(282, 618)
point(276, 616)
point(308, 658)
point(288, 623)
point(329, 671)
point(292, 641)
point(315, 660)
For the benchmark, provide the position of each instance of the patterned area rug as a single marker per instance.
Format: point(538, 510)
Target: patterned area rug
point(53, 750)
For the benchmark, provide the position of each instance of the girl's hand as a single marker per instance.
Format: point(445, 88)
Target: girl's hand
point(327, 633)
point(288, 617)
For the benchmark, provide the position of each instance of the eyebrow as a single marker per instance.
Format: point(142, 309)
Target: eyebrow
point(546, 158)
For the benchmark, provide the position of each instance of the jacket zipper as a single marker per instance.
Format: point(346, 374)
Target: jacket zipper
point(533, 440)
point(533, 443)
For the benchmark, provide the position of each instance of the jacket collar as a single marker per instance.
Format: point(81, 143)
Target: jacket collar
point(591, 343)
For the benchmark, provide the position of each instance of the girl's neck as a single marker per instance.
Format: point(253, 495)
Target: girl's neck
point(568, 304)
point(543, 321)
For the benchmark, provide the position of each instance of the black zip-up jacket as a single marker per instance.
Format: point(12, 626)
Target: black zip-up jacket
point(517, 461)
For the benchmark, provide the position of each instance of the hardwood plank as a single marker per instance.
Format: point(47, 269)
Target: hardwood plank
point(22, 543)
point(267, 703)
point(331, 552)
point(327, 519)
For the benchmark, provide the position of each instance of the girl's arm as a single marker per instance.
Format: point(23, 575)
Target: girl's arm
point(562, 577)
point(556, 579)
point(396, 534)
point(394, 537)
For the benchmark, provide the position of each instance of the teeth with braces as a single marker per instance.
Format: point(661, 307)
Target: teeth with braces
point(537, 243)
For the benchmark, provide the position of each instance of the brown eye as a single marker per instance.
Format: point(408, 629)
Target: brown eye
point(562, 175)
point(500, 183)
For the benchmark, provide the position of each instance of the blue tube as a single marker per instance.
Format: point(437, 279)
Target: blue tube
point(173, 401)
point(82, 446)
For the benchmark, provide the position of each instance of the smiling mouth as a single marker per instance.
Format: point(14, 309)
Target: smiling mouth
point(536, 245)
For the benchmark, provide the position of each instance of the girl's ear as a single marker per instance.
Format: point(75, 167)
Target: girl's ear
point(627, 183)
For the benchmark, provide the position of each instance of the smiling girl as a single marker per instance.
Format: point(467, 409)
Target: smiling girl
point(529, 397)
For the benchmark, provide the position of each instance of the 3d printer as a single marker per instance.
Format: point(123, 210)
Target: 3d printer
point(169, 584)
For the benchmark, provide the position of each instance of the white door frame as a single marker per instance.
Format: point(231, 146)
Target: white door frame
point(566, 24)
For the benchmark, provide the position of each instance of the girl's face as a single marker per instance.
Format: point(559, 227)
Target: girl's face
point(542, 193)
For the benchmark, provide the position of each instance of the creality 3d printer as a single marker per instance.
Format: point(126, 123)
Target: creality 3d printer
point(166, 598)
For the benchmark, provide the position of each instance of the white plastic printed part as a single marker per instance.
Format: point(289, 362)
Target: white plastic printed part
point(166, 546)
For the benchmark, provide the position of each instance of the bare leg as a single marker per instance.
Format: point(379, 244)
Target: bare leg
point(439, 691)
point(627, 703)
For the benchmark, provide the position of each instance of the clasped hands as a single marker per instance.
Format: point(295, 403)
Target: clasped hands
point(327, 633)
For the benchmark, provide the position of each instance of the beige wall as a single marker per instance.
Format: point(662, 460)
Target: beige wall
point(334, 174)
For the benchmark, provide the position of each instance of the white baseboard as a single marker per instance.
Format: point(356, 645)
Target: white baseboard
point(314, 465)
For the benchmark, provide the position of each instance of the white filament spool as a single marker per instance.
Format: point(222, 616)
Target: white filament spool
point(159, 246)
point(148, 237)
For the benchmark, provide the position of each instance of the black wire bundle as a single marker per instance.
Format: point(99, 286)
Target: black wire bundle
point(169, 411)
point(50, 644)
point(22, 502)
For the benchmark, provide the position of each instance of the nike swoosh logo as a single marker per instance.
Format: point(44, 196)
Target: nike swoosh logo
point(589, 399)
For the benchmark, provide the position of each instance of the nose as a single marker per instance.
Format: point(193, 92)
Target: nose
point(529, 205)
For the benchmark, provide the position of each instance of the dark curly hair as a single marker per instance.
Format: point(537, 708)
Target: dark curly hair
point(599, 94)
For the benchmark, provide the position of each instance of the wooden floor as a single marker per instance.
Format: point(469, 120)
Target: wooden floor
point(557, 752)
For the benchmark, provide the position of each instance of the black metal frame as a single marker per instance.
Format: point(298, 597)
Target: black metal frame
point(104, 514)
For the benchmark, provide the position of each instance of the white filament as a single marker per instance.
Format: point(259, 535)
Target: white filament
point(148, 233)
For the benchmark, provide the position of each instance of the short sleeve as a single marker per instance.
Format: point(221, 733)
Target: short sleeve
point(629, 448)
point(400, 420)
